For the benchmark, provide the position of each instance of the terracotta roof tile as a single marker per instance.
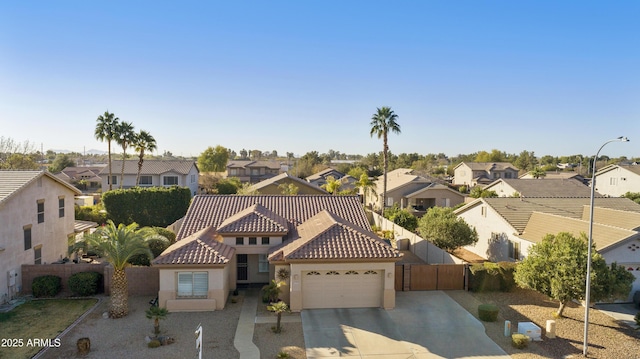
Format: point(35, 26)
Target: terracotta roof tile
point(254, 219)
point(150, 167)
point(199, 248)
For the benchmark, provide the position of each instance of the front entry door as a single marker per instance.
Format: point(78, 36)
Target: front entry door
point(242, 267)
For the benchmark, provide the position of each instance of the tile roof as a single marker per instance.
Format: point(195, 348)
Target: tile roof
point(274, 165)
point(324, 174)
point(150, 167)
point(433, 186)
point(489, 166)
point(326, 236)
point(604, 236)
point(613, 217)
point(277, 180)
point(213, 210)
point(631, 168)
point(199, 248)
point(541, 188)
point(400, 177)
point(81, 226)
point(13, 181)
point(254, 219)
point(556, 175)
point(516, 211)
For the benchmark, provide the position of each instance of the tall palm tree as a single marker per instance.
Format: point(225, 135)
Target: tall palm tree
point(124, 137)
point(143, 142)
point(117, 244)
point(383, 121)
point(105, 131)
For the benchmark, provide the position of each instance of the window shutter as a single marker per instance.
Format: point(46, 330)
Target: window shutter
point(200, 283)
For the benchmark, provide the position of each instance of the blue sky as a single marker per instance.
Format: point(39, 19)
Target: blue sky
point(556, 78)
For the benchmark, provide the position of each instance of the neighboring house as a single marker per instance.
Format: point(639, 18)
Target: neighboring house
point(87, 179)
point(540, 188)
point(408, 190)
point(321, 246)
point(272, 185)
point(557, 175)
point(253, 171)
point(616, 180)
point(36, 220)
point(508, 227)
point(348, 183)
point(154, 173)
point(474, 173)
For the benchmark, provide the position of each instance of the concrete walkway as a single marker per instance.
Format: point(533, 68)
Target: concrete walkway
point(243, 340)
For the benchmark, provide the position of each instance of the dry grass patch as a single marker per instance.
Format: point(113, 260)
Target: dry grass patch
point(38, 319)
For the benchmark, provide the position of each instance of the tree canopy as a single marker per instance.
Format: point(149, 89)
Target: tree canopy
point(556, 267)
point(213, 159)
point(444, 229)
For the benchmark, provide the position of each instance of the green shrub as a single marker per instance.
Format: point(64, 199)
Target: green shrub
point(154, 343)
point(46, 286)
point(488, 312)
point(519, 341)
point(94, 213)
point(85, 283)
point(489, 276)
point(637, 320)
point(283, 355)
point(271, 292)
point(166, 233)
point(157, 246)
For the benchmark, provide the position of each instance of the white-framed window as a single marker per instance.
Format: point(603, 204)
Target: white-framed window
point(114, 180)
point(390, 201)
point(514, 250)
point(613, 181)
point(170, 180)
point(40, 210)
point(193, 284)
point(61, 206)
point(146, 181)
point(233, 171)
point(255, 171)
point(193, 178)
point(263, 263)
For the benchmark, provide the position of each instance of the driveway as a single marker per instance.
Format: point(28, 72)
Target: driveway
point(423, 325)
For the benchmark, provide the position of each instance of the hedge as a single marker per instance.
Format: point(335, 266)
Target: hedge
point(85, 283)
point(488, 276)
point(148, 207)
point(46, 286)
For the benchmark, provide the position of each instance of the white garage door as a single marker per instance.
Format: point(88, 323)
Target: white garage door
point(342, 289)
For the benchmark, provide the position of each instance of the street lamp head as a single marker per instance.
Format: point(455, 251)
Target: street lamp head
point(623, 139)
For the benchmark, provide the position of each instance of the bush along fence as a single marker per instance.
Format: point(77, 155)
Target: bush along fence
point(492, 277)
point(142, 281)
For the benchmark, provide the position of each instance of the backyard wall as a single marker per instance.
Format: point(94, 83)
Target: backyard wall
point(417, 245)
point(142, 281)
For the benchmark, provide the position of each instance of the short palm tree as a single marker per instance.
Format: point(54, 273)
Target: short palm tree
point(366, 184)
point(143, 142)
point(125, 136)
point(383, 122)
point(156, 313)
point(117, 244)
point(278, 308)
point(332, 186)
point(106, 131)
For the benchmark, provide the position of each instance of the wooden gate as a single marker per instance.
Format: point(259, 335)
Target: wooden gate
point(410, 277)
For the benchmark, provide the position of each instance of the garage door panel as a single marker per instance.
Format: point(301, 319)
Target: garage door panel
point(342, 289)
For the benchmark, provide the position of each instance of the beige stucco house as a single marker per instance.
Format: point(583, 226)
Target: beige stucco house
point(154, 173)
point(36, 220)
point(321, 246)
point(616, 180)
point(474, 173)
point(253, 171)
point(408, 190)
point(508, 227)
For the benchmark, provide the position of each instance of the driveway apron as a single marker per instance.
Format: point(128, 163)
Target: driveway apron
point(423, 325)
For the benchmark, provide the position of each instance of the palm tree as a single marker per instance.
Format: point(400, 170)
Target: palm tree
point(383, 121)
point(278, 308)
point(156, 313)
point(366, 184)
point(143, 142)
point(118, 244)
point(332, 186)
point(105, 131)
point(124, 137)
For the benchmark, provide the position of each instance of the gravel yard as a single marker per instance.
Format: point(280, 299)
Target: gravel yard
point(607, 338)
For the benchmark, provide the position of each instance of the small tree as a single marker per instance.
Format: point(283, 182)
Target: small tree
point(401, 217)
point(443, 228)
point(213, 159)
point(278, 308)
point(556, 267)
point(156, 313)
point(288, 189)
point(479, 192)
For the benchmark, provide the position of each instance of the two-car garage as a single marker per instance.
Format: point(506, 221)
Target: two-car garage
point(353, 288)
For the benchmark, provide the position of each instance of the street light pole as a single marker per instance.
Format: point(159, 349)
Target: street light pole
point(587, 294)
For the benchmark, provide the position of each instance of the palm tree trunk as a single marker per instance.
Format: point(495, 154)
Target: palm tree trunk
point(384, 176)
point(156, 326)
point(110, 181)
point(119, 306)
point(139, 167)
point(124, 156)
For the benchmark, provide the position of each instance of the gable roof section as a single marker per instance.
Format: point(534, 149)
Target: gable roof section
point(149, 167)
point(635, 169)
point(327, 236)
point(556, 175)
point(274, 165)
point(488, 166)
point(254, 219)
point(213, 210)
point(399, 178)
point(277, 180)
point(605, 236)
point(11, 182)
point(516, 211)
point(199, 248)
point(324, 174)
point(613, 217)
point(433, 186)
point(547, 188)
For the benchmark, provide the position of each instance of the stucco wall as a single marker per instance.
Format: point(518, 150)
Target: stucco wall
point(216, 295)
point(617, 182)
point(21, 210)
